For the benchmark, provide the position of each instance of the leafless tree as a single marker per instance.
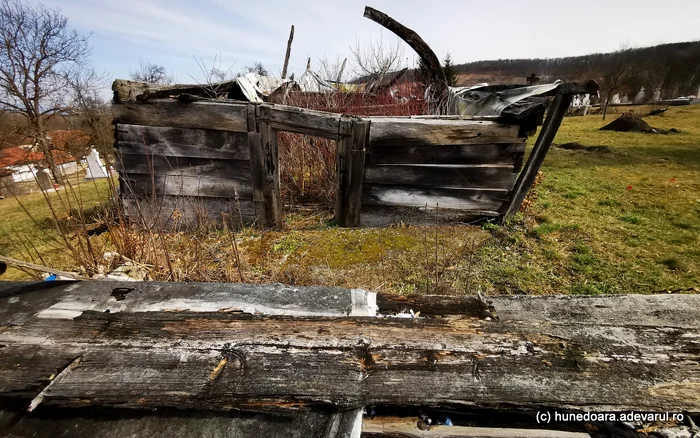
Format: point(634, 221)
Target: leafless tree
point(92, 110)
point(39, 54)
point(620, 72)
point(256, 68)
point(375, 60)
point(152, 73)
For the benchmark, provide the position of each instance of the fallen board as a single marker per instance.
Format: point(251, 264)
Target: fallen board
point(609, 353)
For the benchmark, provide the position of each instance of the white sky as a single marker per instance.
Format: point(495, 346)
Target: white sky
point(172, 32)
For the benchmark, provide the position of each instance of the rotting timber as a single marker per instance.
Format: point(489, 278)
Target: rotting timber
point(185, 153)
point(295, 349)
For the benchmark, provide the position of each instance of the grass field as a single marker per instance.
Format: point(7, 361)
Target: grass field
point(620, 222)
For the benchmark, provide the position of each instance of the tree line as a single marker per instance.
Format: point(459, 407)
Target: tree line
point(674, 69)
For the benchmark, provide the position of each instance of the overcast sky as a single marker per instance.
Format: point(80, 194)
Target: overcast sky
point(173, 32)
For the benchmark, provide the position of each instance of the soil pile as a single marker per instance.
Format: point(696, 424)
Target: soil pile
point(628, 123)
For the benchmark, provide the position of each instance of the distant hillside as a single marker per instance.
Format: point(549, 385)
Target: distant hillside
point(673, 68)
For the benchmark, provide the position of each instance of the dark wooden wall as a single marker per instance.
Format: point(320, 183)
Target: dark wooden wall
point(417, 167)
point(181, 163)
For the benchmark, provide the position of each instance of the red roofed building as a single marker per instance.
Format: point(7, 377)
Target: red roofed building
point(20, 160)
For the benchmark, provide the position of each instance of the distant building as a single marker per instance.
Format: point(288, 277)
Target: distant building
point(20, 161)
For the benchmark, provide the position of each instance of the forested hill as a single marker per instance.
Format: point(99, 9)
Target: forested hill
point(674, 68)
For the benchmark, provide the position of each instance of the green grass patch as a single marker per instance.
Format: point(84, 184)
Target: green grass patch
point(631, 218)
point(620, 222)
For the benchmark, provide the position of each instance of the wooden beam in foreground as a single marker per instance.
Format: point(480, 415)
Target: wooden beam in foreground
point(283, 348)
point(408, 428)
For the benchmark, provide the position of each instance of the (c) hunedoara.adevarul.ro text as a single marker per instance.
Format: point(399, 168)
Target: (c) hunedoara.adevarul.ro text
point(632, 416)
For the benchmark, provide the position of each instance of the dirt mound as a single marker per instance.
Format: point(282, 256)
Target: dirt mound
point(575, 146)
point(628, 123)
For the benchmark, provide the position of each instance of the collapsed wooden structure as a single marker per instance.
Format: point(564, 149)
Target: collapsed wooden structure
point(311, 358)
point(184, 154)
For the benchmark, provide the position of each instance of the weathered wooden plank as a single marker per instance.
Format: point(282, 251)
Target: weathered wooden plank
point(181, 212)
point(191, 186)
point(70, 299)
point(397, 131)
point(384, 215)
point(133, 91)
point(169, 113)
point(129, 164)
point(608, 353)
point(301, 120)
point(539, 151)
point(408, 428)
point(181, 142)
point(350, 162)
point(271, 175)
point(273, 361)
point(342, 156)
point(494, 176)
point(459, 199)
point(355, 172)
point(257, 171)
point(502, 153)
point(170, 423)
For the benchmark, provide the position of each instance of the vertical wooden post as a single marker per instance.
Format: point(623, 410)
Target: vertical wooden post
point(350, 169)
point(271, 175)
point(342, 150)
point(257, 164)
point(289, 51)
point(268, 176)
point(539, 151)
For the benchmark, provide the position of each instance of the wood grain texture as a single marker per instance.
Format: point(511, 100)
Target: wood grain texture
point(397, 131)
point(412, 196)
point(159, 165)
point(384, 215)
point(496, 176)
point(271, 175)
point(181, 142)
point(604, 353)
point(502, 153)
point(257, 171)
point(301, 120)
point(182, 212)
point(350, 165)
point(189, 186)
point(169, 113)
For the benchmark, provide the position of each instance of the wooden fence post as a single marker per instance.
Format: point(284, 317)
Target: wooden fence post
point(257, 164)
point(353, 136)
point(539, 151)
point(270, 169)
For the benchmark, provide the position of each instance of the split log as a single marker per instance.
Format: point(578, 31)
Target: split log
point(183, 345)
point(133, 91)
point(426, 54)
